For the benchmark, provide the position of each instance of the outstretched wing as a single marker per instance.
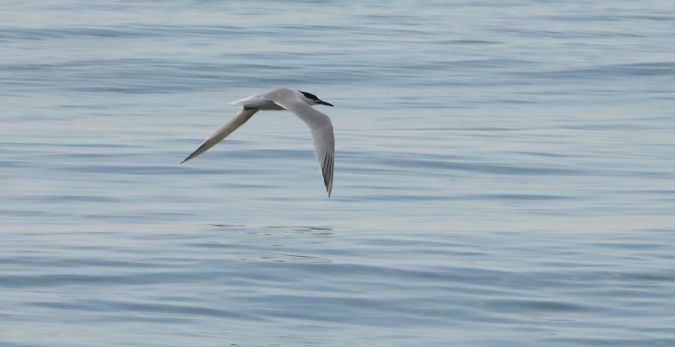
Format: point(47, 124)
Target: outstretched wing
point(223, 132)
point(322, 133)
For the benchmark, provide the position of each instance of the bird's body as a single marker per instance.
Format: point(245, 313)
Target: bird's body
point(298, 103)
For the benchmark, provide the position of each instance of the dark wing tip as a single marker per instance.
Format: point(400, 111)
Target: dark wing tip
point(186, 159)
point(197, 152)
point(327, 172)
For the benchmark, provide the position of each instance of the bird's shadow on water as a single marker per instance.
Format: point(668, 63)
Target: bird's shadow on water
point(283, 229)
point(273, 243)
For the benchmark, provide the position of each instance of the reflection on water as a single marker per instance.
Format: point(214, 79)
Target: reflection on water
point(272, 243)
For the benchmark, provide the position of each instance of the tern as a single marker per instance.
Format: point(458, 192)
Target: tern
point(299, 103)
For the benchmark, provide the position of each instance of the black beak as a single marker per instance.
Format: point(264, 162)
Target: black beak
point(321, 102)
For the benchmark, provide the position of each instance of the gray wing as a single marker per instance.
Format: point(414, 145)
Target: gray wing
point(223, 132)
point(322, 134)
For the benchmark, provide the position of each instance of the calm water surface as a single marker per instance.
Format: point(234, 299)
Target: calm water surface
point(504, 174)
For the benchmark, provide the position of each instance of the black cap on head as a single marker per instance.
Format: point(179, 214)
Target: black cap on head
point(309, 95)
point(315, 98)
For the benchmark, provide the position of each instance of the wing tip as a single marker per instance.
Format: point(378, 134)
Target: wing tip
point(188, 158)
point(327, 172)
point(196, 153)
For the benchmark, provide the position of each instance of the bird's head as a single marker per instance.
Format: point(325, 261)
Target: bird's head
point(311, 99)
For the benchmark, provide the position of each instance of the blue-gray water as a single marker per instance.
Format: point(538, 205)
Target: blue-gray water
point(505, 174)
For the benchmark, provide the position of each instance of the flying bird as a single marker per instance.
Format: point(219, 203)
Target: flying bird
point(299, 103)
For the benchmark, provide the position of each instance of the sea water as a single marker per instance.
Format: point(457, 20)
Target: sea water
point(504, 174)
